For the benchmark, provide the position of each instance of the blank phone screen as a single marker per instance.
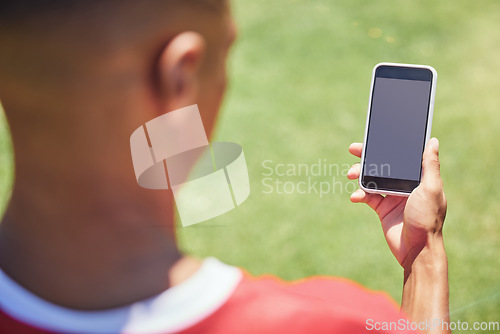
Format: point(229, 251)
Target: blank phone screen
point(397, 128)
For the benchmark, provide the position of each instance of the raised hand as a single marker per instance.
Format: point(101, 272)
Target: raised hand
point(409, 223)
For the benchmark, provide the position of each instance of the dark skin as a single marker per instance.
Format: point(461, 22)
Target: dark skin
point(81, 233)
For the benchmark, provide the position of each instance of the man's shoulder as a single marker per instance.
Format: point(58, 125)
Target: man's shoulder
point(217, 299)
point(267, 304)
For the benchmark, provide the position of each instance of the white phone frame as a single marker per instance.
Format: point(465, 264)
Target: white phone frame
point(429, 122)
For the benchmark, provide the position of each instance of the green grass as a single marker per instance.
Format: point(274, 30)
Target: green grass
point(300, 75)
point(6, 164)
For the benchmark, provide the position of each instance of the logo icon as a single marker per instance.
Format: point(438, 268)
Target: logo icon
point(172, 152)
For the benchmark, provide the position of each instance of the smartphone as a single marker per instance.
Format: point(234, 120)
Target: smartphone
point(398, 126)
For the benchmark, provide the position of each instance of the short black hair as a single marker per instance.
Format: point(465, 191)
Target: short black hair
point(20, 9)
point(13, 10)
point(38, 35)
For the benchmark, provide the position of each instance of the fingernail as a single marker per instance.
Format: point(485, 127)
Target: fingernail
point(435, 143)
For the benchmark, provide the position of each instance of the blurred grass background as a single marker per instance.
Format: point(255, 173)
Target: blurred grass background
point(300, 75)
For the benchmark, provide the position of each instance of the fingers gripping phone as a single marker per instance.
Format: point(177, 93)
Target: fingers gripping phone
point(398, 126)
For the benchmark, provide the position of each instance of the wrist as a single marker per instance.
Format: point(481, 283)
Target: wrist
point(429, 257)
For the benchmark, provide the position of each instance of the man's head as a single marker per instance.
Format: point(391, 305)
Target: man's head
point(76, 51)
point(78, 76)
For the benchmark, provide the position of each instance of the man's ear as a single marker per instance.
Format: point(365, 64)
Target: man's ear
point(178, 68)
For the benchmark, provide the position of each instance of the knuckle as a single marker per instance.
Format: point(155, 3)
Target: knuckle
point(435, 161)
point(444, 203)
point(434, 189)
point(432, 159)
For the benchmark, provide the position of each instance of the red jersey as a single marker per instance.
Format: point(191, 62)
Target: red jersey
point(217, 299)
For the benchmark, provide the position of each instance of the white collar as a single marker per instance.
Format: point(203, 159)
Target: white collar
point(177, 308)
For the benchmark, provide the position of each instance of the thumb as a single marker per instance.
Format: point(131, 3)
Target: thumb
point(430, 164)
